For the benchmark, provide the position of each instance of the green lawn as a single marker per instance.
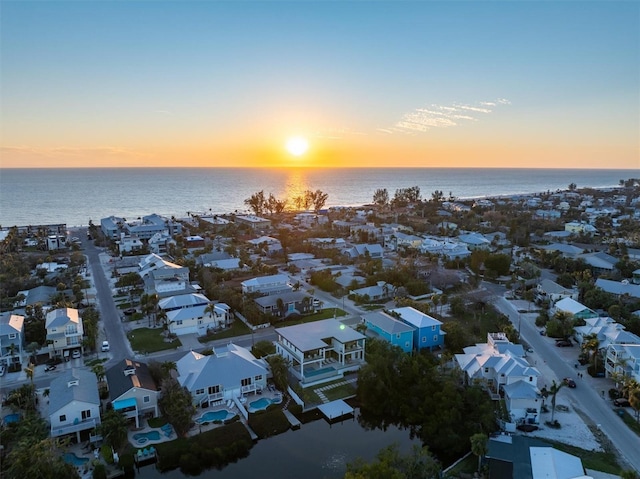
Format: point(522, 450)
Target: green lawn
point(238, 328)
point(323, 314)
point(145, 340)
point(598, 461)
point(630, 421)
point(340, 392)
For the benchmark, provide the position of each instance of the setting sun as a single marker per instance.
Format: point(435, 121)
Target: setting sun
point(297, 145)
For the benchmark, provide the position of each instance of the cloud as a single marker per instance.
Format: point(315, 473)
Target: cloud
point(442, 116)
point(59, 152)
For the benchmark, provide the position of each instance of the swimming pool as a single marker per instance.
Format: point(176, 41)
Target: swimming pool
point(142, 437)
point(262, 403)
point(314, 372)
point(9, 418)
point(71, 458)
point(210, 416)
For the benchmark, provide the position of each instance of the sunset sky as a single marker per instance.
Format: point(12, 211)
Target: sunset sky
point(388, 84)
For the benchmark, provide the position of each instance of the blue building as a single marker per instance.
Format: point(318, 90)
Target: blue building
point(390, 329)
point(427, 332)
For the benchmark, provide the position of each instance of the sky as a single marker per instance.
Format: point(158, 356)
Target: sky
point(521, 84)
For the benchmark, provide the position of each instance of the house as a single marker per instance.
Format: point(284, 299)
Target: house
point(474, 241)
point(521, 457)
point(38, 295)
point(378, 292)
point(229, 373)
point(321, 351)
point(600, 262)
point(282, 305)
point(623, 360)
point(450, 249)
point(159, 243)
point(56, 242)
point(328, 242)
point(390, 329)
point(267, 285)
point(578, 227)
point(132, 390)
point(427, 332)
point(157, 267)
point(551, 291)
point(64, 331)
point(268, 244)
point(181, 301)
point(193, 242)
point(566, 250)
point(398, 239)
point(573, 307)
point(152, 224)
point(373, 251)
point(111, 226)
point(11, 338)
point(619, 288)
point(196, 318)
point(74, 404)
point(253, 222)
point(498, 363)
point(129, 244)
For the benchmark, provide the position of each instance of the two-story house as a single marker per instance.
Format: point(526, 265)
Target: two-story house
point(321, 350)
point(229, 373)
point(282, 305)
point(390, 329)
point(11, 338)
point(74, 404)
point(132, 390)
point(427, 332)
point(267, 285)
point(64, 331)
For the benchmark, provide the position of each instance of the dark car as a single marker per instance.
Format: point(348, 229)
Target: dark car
point(527, 427)
point(569, 382)
point(50, 367)
point(130, 311)
point(621, 402)
point(564, 343)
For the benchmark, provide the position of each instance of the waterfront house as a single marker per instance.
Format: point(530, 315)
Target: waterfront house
point(230, 372)
point(64, 331)
point(321, 350)
point(132, 390)
point(573, 307)
point(619, 288)
point(427, 332)
point(284, 304)
point(389, 329)
point(74, 404)
point(253, 222)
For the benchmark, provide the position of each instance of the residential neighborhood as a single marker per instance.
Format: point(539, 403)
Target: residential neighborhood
point(253, 322)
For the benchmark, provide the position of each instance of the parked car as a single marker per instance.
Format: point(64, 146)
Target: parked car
point(564, 343)
point(527, 427)
point(621, 402)
point(129, 311)
point(105, 346)
point(76, 354)
point(50, 367)
point(3, 369)
point(569, 382)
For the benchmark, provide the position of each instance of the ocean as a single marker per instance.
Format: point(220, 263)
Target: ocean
point(76, 196)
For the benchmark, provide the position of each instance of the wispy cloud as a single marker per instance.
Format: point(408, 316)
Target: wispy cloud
point(442, 116)
point(59, 152)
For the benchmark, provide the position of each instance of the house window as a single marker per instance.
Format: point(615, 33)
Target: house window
point(433, 328)
point(63, 418)
point(257, 378)
point(199, 391)
point(179, 322)
point(86, 414)
point(146, 399)
point(214, 389)
point(398, 336)
point(406, 344)
point(530, 378)
point(245, 382)
point(199, 321)
point(424, 339)
point(435, 339)
point(486, 370)
point(12, 336)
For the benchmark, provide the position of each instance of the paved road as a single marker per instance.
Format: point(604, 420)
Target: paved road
point(588, 396)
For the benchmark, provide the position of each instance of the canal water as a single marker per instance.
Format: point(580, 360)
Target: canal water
point(318, 450)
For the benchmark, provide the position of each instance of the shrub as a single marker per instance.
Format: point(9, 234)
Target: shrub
point(269, 423)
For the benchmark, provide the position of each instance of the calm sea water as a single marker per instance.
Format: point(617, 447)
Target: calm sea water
point(74, 196)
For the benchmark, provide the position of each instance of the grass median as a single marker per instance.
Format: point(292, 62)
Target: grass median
point(149, 340)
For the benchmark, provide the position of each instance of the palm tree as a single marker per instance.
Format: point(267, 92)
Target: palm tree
point(114, 428)
point(553, 391)
point(479, 446)
point(591, 345)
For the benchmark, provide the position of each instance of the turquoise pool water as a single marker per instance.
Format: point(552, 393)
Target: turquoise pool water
point(314, 372)
point(211, 416)
point(143, 437)
point(262, 403)
point(71, 458)
point(9, 418)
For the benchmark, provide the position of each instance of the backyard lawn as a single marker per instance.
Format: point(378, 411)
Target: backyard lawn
point(238, 328)
point(146, 340)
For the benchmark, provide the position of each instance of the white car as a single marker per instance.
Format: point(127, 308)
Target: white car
point(76, 354)
point(105, 346)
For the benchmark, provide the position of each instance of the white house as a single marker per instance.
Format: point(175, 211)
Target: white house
point(322, 350)
point(74, 404)
point(229, 373)
point(373, 251)
point(273, 284)
point(573, 307)
point(64, 331)
point(580, 227)
point(194, 314)
point(128, 244)
point(623, 359)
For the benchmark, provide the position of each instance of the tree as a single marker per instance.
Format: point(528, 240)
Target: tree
point(177, 406)
point(39, 459)
point(390, 464)
point(591, 345)
point(256, 202)
point(114, 429)
point(553, 391)
point(381, 197)
point(280, 371)
point(479, 446)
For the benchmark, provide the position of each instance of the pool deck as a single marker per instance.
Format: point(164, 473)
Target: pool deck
point(150, 442)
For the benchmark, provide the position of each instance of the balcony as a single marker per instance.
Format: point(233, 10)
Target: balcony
point(71, 428)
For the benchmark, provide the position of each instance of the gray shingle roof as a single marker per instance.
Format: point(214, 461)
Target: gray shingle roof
point(119, 383)
point(61, 393)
